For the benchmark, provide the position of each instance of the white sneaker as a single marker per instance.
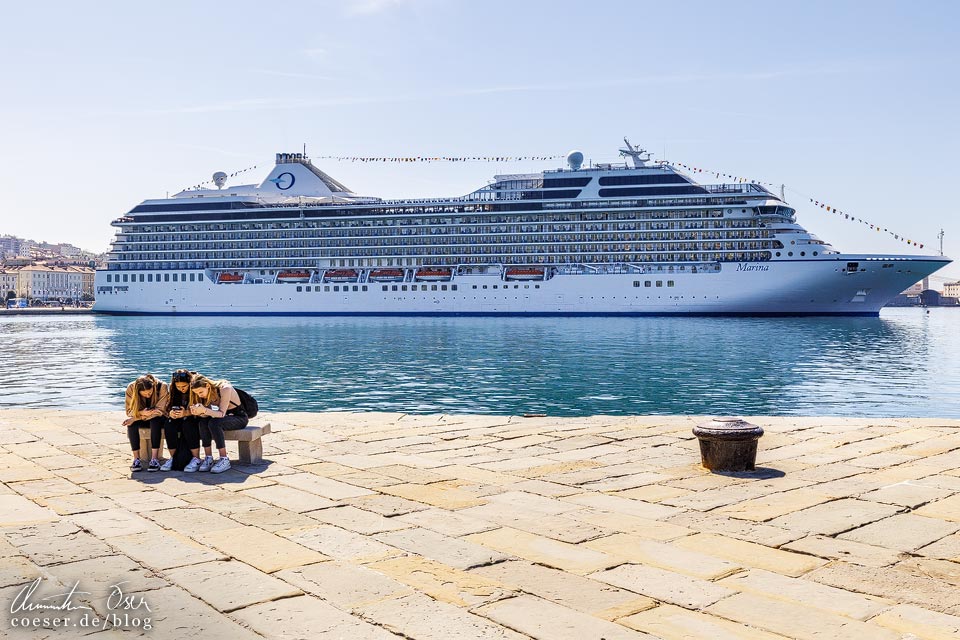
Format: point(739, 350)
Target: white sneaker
point(206, 464)
point(168, 465)
point(192, 466)
point(222, 465)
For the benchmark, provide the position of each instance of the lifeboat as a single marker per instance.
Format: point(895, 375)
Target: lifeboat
point(433, 274)
point(228, 278)
point(386, 275)
point(293, 276)
point(340, 275)
point(524, 273)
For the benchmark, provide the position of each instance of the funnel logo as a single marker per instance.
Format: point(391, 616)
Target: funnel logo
point(284, 181)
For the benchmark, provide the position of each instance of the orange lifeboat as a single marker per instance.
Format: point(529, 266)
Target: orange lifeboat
point(433, 274)
point(228, 278)
point(341, 275)
point(293, 276)
point(524, 273)
point(386, 275)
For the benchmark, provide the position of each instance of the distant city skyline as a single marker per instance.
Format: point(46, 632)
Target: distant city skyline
point(847, 104)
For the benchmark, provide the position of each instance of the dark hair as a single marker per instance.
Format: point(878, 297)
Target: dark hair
point(178, 398)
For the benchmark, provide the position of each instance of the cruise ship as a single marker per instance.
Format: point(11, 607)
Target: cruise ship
point(632, 238)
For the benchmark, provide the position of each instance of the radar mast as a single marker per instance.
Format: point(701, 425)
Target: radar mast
point(635, 153)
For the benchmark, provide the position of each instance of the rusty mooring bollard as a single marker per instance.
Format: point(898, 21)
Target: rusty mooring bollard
point(728, 444)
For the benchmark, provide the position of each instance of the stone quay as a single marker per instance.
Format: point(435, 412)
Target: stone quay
point(389, 526)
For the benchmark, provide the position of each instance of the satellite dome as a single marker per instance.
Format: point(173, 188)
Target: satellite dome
point(575, 160)
point(219, 179)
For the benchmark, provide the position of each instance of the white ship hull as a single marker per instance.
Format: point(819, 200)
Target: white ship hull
point(824, 286)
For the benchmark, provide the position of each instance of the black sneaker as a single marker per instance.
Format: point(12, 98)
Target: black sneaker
point(136, 466)
point(154, 465)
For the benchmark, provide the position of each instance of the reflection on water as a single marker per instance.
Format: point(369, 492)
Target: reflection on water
point(901, 364)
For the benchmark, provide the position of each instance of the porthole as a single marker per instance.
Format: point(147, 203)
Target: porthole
point(803, 253)
point(778, 254)
point(815, 253)
point(789, 253)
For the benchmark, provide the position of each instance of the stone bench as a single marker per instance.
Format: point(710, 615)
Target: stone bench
point(146, 452)
point(248, 440)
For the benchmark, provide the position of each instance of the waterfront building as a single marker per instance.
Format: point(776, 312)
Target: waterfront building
point(632, 238)
point(952, 289)
point(8, 282)
point(45, 282)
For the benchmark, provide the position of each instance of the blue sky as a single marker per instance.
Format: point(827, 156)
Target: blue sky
point(851, 103)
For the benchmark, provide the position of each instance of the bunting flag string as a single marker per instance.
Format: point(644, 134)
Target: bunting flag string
point(875, 227)
point(815, 202)
point(200, 185)
point(439, 158)
point(718, 174)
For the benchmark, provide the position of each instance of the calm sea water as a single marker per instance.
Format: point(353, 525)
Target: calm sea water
point(904, 363)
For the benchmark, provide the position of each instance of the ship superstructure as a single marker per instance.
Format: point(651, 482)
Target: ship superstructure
point(630, 238)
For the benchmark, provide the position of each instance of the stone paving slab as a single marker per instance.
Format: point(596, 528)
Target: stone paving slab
point(376, 525)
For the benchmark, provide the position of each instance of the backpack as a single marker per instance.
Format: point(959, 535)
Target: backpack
point(249, 404)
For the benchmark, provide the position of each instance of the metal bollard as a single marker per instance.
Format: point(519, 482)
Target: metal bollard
point(728, 444)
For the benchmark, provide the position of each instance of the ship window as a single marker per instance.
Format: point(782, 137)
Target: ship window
point(669, 283)
point(803, 253)
point(326, 288)
point(646, 283)
point(385, 288)
point(494, 286)
point(443, 287)
point(149, 277)
point(141, 277)
point(853, 266)
point(403, 288)
point(815, 253)
point(355, 288)
point(453, 287)
point(192, 277)
point(474, 286)
point(174, 277)
point(536, 286)
point(394, 288)
point(778, 254)
point(199, 277)
point(336, 288)
point(109, 278)
point(364, 288)
point(299, 288)
point(124, 277)
point(636, 283)
point(789, 253)
point(166, 277)
point(309, 289)
point(484, 286)
point(433, 287)
point(659, 283)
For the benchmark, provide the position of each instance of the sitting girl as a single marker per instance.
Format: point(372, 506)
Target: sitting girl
point(218, 407)
point(181, 427)
point(146, 404)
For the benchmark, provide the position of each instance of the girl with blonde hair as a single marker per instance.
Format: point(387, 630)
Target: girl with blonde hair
point(146, 403)
point(218, 408)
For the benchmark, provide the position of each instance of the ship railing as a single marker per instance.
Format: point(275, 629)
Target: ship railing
point(631, 267)
point(740, 187)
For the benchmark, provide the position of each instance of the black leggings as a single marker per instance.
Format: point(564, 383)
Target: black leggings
point(182, 432)
point(216, 426)
point(133, 432)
